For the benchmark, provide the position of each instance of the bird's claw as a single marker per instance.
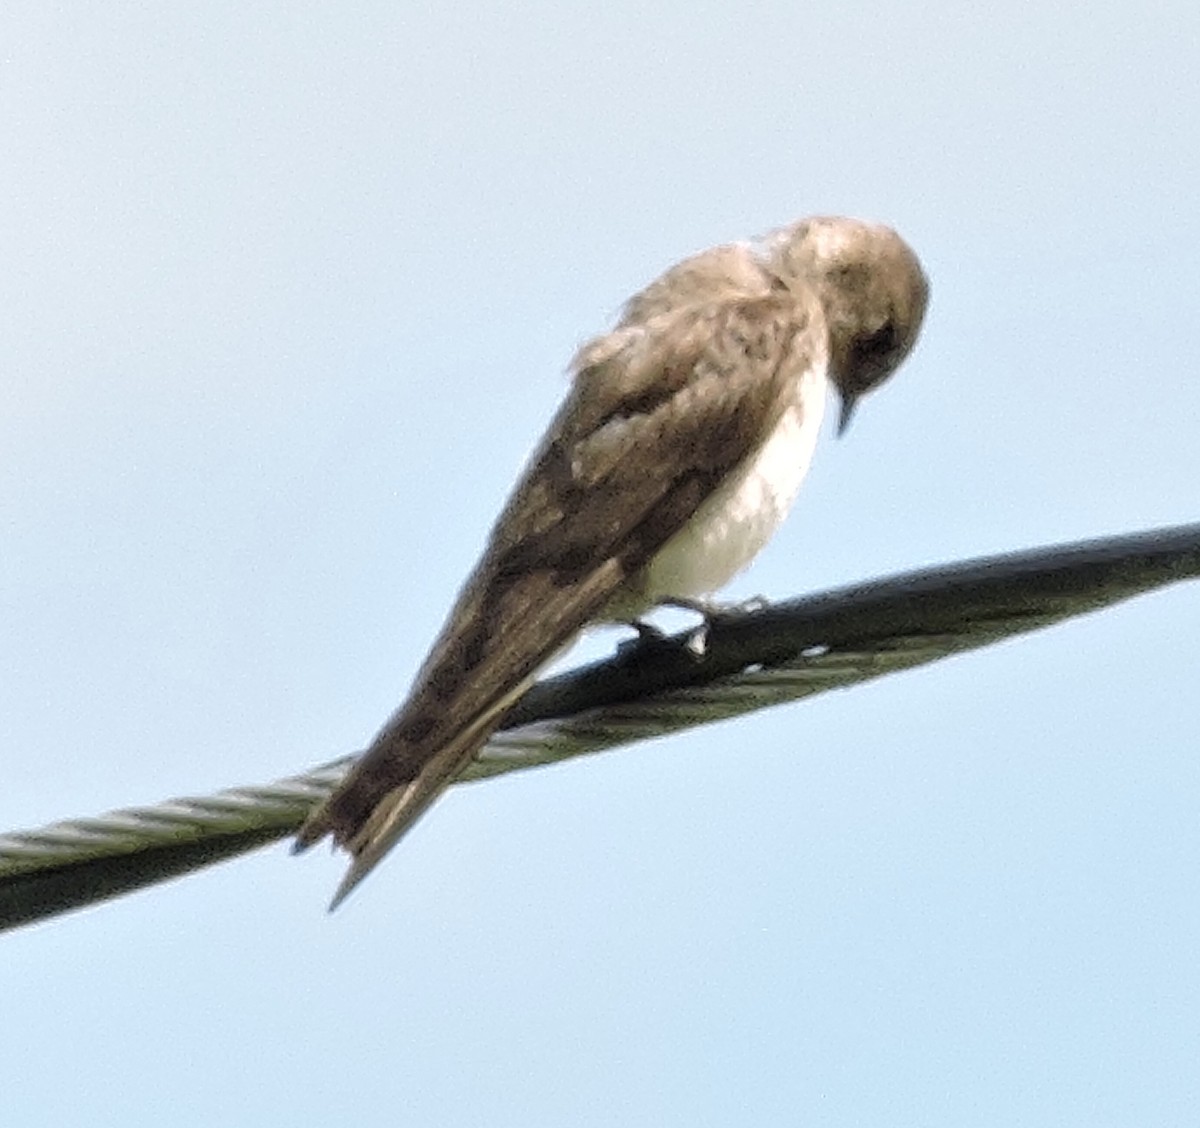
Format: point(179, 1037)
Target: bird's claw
point(713, 612)
point(648, 637)
point(650, 642)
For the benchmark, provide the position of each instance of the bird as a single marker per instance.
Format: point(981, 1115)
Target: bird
point(676, 453)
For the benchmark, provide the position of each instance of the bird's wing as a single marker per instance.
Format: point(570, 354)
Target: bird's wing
point(658, 414)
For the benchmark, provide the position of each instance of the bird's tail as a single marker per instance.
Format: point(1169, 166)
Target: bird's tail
point(367, 817)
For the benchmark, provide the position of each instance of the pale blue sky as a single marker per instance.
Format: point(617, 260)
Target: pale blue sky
point(286, 293)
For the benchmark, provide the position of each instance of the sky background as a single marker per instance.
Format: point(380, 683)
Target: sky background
point(286, 295)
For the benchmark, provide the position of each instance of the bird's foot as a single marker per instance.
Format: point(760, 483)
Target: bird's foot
point(651, 642)
point(712, 611)
point(713, 614)
point(649, 638)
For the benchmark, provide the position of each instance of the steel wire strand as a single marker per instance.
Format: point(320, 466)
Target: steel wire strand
point(739, 663)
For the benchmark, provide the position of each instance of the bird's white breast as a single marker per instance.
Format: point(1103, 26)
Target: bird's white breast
point(734, 523)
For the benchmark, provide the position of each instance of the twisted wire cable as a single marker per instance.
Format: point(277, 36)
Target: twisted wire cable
point(739, 663)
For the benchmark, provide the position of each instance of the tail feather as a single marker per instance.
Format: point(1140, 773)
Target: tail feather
point(367, 818)
point(394, 815)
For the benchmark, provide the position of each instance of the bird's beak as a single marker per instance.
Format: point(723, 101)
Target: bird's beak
point(848, 405)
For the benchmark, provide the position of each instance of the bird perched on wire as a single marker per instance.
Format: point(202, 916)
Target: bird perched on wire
point(677, 452)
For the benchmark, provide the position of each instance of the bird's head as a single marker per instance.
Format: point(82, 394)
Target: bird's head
point(872, 289)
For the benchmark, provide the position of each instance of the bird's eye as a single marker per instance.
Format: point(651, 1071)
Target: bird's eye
point(883, 340)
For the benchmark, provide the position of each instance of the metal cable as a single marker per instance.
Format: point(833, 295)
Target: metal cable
point(741, 663)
